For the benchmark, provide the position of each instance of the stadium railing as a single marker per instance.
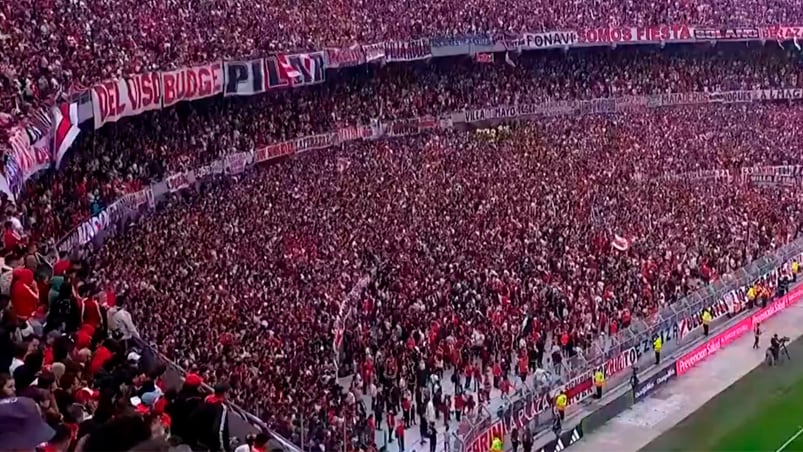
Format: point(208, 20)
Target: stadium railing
point(678, 325)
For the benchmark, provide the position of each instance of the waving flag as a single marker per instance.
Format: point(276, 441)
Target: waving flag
point(620, 243)
point(288, 68)
point(65, 117)
point(483, 57)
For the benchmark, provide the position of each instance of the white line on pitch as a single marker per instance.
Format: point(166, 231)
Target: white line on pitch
point(789, 441)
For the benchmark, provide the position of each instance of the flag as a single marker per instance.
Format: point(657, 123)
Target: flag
point(509, 60)
point(343, 164)
point(483, 57)
point(526, 326)
point(620, 243)
point(65, 117)
point(288, 69)
point(38, 125)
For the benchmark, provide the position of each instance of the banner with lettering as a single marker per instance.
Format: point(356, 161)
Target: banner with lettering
point(179, 181)
point(635, 35)
point(243, 78)
point(549, 40)
point(345, 57)
point(782, 33)
point(128, 96)
point(296, 70)
point(191, 83)
point(619, 104)
point(464, 45)
point(24, 158)
point(236, 163)
point(783, 175)
point(408, 51)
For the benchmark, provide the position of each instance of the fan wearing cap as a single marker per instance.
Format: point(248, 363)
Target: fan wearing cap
point(153, 404)
point(21, 425)
point(188, 399)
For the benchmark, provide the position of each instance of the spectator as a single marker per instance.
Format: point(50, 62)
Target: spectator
point(210, 422)
point(21, 426)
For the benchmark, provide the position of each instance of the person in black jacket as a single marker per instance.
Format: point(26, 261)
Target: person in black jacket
point(63, 313)
point(186, 402)
point(210, 423)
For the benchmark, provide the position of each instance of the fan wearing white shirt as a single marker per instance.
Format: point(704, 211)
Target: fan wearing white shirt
point(258, 443)
point(20, 350)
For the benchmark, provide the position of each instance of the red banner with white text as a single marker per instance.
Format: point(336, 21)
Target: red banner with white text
point(129, 96)
point(191, 83)
point(634, 35)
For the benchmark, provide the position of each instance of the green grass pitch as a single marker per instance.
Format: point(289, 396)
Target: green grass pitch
point(763, 411)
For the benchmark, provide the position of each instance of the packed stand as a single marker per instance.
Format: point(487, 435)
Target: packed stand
point(58, 44)
point(466, 235)
point(74, 377)
point(125, 156)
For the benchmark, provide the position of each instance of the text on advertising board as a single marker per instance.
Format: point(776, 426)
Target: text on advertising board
point(525, 410)
point(733, 333)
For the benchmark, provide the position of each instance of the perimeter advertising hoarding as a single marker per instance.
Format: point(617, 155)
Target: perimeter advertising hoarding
point(713, 345)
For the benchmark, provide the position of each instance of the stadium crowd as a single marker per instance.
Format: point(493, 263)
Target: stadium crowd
point(56, 44)
point(467, 235)
point(120, 158)
point(72, 378)
point(464, 234)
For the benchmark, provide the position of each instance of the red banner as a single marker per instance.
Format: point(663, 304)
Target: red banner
point(782, 33)
point(177, 182)
point(320, 141)
point(615, 35)
point(191, 83)
point(352, 133)
point(353, 56)
point(116, 99)
point(577, 390)
point(275, 151)
point(713, 345)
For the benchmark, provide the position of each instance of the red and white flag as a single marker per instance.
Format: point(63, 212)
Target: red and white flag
point(620, 243)
point(65, 117)
point(483, 57)
point(288, 68)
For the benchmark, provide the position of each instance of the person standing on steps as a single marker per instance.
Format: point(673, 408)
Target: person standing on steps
point(656, 346)
point(527, 440)
point(706, 321)
point(756, 335)
point(514, 439)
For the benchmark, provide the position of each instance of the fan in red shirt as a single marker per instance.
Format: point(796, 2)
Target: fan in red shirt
point(90, 310)
point(523, 365)
point(368, 370)
point(24, 293)
point(11, 239)
point(102, 354)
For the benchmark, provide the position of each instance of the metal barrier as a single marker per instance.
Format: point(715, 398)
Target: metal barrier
point(676, 324)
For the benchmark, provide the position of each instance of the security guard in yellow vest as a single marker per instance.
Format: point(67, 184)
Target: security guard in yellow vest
point(706, 320)
point(795, 270)
point(496, 445)
point(599, 382)
point(751, 296)
point(560, 403)
point(656, 345)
